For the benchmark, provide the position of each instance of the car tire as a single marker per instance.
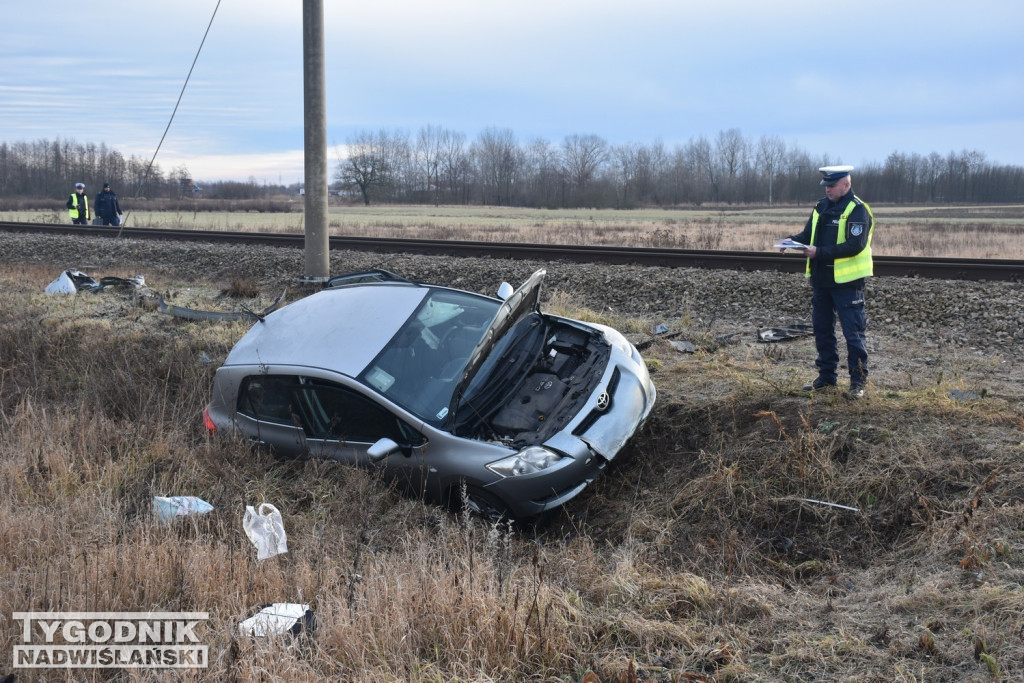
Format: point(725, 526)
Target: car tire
point(484, 505)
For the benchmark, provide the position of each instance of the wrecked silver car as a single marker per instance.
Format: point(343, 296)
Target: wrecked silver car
point(443, 390)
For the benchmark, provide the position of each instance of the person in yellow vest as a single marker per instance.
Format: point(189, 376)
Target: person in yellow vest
point(838, 239)
point(78, 205)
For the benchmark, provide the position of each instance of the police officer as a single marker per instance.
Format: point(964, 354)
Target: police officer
point(107, 206)
point(838, 239)
point(78, 205)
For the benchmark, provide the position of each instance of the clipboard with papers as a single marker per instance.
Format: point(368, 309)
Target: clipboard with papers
point(789, 244)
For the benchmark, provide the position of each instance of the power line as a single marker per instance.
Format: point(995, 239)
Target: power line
point(145, 176)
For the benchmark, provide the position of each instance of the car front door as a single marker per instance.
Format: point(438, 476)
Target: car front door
point(343, 424)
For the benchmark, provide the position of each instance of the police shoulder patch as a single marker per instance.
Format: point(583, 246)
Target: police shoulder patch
point(856, 229)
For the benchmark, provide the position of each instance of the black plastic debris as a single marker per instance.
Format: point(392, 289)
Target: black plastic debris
point(784, 333)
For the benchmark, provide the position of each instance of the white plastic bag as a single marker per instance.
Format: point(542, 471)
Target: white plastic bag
point(166, 508)
point(277, 620)
point(266, 530)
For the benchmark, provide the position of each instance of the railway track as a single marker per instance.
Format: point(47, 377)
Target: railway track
point(892, 266)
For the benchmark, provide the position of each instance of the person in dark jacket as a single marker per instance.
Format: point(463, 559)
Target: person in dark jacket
point(107, 207)
point(78, 205)
point(838, 249)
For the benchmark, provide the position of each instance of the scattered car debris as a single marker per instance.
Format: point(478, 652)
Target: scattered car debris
point(265, 529)
point(683, 346)
point(74, 281)
point(196, 314)
point(784, 333)
point(279, 619)
point(166, 508)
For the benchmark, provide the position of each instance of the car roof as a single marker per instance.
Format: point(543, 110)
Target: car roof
point(336, 329)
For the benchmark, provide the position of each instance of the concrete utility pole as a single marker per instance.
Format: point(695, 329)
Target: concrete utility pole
point(315, 140)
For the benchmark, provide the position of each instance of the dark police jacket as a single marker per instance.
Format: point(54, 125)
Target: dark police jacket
point(826, 234)
point(106, 204)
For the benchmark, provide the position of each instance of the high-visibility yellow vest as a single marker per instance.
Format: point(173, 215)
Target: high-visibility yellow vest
point(852, 267)
point(73, 211)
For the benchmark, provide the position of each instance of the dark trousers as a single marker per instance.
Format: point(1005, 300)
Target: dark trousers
point(80, 221)
point(112, 219)
point(848, 306)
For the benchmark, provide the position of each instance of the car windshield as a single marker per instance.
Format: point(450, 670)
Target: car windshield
point(420, 367)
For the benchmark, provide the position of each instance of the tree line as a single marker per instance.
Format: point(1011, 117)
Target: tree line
point(46, 169)
point(442, 166)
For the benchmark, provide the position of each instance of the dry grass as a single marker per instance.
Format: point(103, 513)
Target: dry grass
point(707, 552)
point(964, 231)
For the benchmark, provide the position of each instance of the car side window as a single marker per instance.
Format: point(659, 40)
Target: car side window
point(270, 398)
point(346, 416)
point(322, 409)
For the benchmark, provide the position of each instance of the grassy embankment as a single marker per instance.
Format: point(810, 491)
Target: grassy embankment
point(710, 550)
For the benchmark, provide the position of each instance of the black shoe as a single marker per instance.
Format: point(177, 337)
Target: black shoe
point(856, 391)
point(818, 384)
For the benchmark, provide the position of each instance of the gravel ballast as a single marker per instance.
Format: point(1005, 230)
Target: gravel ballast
point(924, 318)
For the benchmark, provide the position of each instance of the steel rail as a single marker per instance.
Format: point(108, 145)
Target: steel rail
point(892, 266)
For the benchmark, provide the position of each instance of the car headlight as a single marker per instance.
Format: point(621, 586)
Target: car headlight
point(533, 459)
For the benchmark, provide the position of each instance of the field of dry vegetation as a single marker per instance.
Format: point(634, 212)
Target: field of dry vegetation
point(993, 231)
point(749, 533)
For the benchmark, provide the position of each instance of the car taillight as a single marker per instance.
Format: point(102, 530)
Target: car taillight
point(207, 422)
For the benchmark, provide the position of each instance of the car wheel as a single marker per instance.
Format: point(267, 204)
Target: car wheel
point(484, 505)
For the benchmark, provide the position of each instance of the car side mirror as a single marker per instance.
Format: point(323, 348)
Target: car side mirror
point(505, 291)
point(382, 449)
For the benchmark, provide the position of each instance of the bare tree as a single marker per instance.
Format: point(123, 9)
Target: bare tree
point(701, 159)
point(583, 156)
point(731, 158)
point(498, 164)
point(427, 156)
point(376, 163)
point(544, 181)
point(454, 166)
point(770, 151)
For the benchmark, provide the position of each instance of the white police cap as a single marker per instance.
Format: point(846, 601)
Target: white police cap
point(832, 174)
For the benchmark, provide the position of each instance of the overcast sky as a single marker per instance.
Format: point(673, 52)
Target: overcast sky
point(848, 82)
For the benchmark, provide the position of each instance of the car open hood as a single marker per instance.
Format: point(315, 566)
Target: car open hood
point(522, 302)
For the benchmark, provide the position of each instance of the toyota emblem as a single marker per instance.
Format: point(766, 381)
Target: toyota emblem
point(603, 401)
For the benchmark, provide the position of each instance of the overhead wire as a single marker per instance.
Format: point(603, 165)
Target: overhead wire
point(149, 167)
